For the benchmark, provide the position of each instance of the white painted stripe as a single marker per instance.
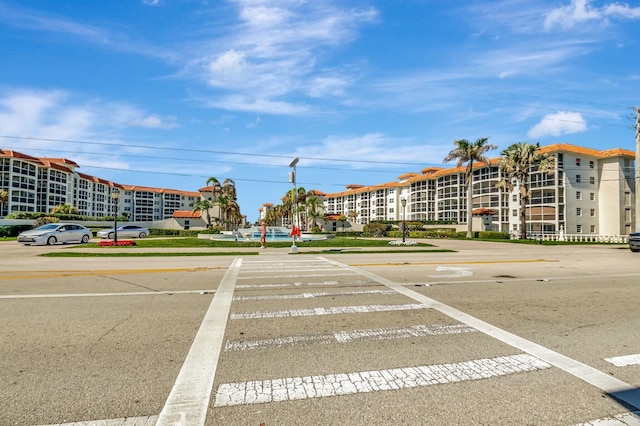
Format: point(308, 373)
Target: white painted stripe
point(334, 274)
point(626, 419)
point(188, 401)
point(349, 336)
point(603, 381)
point(326, 311)
point(304, 284)
point(133, 293)
point(625, 360)
point(296, 388)
point(312, 295)
point(123, 421)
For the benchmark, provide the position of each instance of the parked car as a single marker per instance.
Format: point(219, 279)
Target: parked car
point(124, 231)
point(53, 233)
point(634, 242)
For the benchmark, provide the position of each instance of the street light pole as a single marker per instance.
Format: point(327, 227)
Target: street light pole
point(294, 200)
point(115, 194)
point(403, 201)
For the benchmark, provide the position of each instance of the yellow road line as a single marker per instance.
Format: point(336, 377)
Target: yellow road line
point(88, 273)
point(477, 262)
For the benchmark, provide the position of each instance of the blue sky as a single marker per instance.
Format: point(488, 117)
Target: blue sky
point(168, 93)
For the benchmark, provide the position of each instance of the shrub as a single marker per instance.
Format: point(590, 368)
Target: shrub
point(375, 229)
point(493, 235)
point(44, 220)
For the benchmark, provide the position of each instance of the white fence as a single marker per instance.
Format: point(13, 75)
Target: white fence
point(579, 238)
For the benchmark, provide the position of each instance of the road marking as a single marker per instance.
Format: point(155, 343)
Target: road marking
point(296, 388)
point(616, 388)
point(303, 284)
point(312, 295)
point(326, 311)
point(455, 272)
point(188, 401)
point(625, 360)
point(132, 293)
point(349, 336)
point(626, 419)
point(91, 273)
point(461, 262)
point(123, 421)
point(264, 277)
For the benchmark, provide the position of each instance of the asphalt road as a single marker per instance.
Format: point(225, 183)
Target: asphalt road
point(491, 334)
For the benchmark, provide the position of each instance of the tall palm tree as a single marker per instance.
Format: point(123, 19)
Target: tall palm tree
point(470, 152)
point(314, 208)
point(204, 206)
point(517, 163)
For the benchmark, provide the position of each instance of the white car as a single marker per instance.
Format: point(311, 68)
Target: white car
point(125, 231)
point(53, 233)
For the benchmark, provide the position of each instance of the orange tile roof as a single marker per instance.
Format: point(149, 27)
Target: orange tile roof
point(185, 214)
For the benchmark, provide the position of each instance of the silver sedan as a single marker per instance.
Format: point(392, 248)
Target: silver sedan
point(124, 231)
point(53, 233)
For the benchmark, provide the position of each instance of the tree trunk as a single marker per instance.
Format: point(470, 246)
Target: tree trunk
point(469, 209)
point(523, 218)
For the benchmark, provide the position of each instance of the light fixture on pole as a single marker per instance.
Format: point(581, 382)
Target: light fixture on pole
point(115, 194)
point(403, 201)
point(294, 201)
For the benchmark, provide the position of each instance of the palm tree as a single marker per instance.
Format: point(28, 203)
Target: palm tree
point(216, 188)
point(517, 163)
point(314, 208)
point(204, 206)
point(353, 215)
point(468, 152)
point(4, 199)
point(223, 202)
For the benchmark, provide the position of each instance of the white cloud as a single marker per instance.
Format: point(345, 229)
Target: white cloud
point(275, 50)
point(561, 123)
point(151, 2)
point(580, 11)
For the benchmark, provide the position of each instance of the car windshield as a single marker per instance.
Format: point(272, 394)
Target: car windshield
point(47, 227)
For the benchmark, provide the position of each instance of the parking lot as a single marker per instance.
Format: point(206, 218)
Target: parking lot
point(492, 333)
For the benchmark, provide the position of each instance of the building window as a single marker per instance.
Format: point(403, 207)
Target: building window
point(577, 161)
point(514, 213)
point(578, 195)
point(592, 212)
point(514, 198)
point(593, 229)
point(578, 178)
point(592, 196)
point(579, 229)
point(592, 180)
point(579, 211)
point(591, 164)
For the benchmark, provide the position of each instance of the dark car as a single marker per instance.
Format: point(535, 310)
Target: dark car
point(634, 242)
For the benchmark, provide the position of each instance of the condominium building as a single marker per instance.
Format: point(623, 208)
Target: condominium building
point(589, 192)
point(38, 184)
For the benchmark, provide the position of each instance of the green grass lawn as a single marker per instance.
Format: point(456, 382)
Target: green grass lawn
point(334, 245)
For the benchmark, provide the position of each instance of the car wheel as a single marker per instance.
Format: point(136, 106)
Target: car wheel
point(51, 241)
point(142, 235)
point(85, 239)
point(635, 250)
point(110, 236)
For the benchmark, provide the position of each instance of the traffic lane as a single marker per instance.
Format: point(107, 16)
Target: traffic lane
point(101, 281)
point(76, 359)
point(588, 319)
